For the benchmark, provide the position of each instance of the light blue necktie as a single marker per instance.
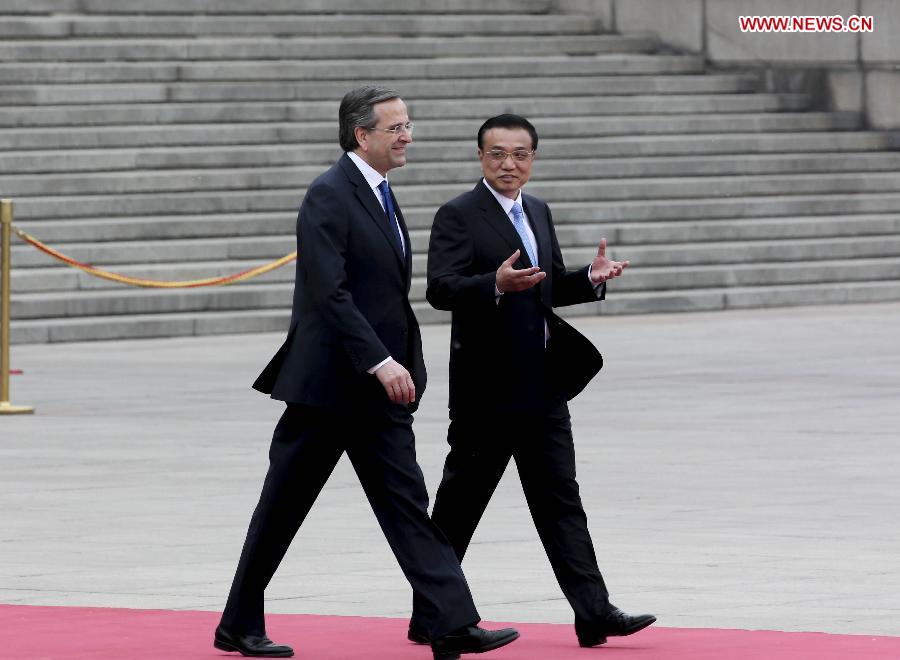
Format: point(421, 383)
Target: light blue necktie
point(389, 211)
point(519, 224)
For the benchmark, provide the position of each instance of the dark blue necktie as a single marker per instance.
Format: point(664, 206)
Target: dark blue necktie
point(389, 210)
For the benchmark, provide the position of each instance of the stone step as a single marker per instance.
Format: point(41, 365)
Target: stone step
point(150, 301)
point(265, 25)
point(116, 253)
point(699, 300)
point(553, 127)
point(174, 7)
point(462, 88)
point(688, 210)
point(266, 248)
point(623, 234)
point(691, 209)
point(11, 7)
point(276, 320)
point(278, 47)
point(419, 216)
point(686, 278)
point(680, 187)
point(276, 292)
point(64, 278)
point(162, 228)
point(59, 232)
point(619, 194)
point(740, 252)
point(479, 109)
point(339, 69)
point(56, 283)
point(738, 145)
point(147, 326)
point(719, 229)
point(169, 180)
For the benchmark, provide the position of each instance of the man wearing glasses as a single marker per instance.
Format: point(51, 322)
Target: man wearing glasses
point(495, 263)
point(351, 373)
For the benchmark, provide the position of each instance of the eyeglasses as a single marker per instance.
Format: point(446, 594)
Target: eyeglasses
point(518, 155)
point(395, 130)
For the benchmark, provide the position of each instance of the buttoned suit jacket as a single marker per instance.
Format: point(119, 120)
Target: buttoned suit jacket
point(498, 356)
point(351, 305)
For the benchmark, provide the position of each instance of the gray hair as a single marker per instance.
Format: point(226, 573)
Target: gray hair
point(358, 110)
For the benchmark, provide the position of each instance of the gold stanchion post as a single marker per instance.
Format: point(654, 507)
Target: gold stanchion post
point(6, 216)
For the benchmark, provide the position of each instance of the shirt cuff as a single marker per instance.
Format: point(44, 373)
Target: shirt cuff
point(596, 286)
point(380, 364)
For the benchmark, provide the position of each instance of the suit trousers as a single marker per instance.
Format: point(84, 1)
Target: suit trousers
point(306, 446)
point(543, 449)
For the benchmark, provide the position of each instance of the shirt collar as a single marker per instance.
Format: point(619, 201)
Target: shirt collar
point(504, 201)
point(372, 177)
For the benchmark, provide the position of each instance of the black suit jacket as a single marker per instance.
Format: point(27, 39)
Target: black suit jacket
point(498, 358)
point(351, 307)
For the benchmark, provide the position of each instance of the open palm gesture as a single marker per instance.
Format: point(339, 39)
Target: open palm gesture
point(603, 268)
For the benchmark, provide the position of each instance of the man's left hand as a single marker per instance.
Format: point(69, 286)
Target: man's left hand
point(603, 268)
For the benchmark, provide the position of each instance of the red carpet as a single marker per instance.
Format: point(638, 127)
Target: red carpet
point(69, 633)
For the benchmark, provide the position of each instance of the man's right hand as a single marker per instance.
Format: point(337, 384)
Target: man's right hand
point(396, 382)
point(512, 279)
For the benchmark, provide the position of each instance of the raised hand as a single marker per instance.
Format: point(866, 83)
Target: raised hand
point(603, 268)
point(512, 279)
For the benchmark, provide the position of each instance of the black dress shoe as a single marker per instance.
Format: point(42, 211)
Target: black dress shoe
point(252, 646)
point(471, 639)
point(417, 636)
point(613, 623)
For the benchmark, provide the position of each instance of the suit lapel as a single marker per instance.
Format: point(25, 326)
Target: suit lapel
point(495, 218)
point(372, 205)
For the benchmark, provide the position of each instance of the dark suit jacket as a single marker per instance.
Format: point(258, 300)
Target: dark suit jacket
point(498, 359)
point(351, 308)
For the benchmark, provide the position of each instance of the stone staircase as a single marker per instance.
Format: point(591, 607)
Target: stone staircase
point(173, 139)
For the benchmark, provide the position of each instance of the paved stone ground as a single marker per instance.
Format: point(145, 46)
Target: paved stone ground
point(739, 469)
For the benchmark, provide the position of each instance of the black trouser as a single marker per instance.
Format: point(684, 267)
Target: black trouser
point(544, 453)
point(306, 446)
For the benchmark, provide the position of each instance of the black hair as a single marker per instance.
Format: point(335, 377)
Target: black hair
point(508, 121)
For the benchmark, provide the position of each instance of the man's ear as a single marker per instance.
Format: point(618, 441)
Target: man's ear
point(362, 137)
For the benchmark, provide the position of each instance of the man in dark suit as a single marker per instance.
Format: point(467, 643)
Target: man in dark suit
point(351, 372)
point(494, 262)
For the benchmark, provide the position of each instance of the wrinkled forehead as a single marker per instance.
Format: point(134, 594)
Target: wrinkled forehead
point(507, 139)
